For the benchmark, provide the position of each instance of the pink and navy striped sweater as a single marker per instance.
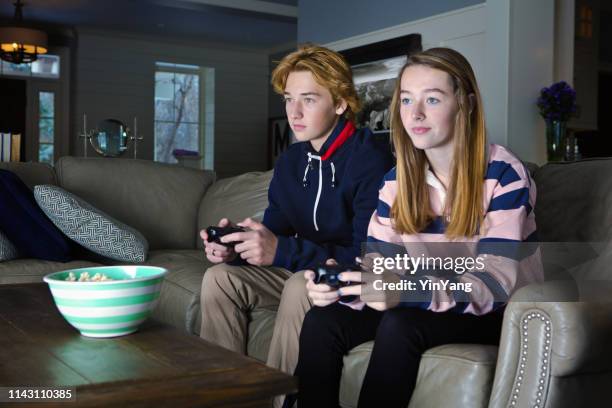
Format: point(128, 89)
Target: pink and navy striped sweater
point(508, 200)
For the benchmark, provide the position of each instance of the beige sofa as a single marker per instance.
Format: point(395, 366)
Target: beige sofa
point(170, 204)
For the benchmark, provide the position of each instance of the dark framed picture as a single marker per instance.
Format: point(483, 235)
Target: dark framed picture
point(280, 137)
point(375, 69)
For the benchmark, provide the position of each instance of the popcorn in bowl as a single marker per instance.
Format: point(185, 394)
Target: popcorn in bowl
point(106, 301)
point(84, 277)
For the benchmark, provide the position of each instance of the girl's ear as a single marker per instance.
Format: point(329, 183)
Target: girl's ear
point(472, 100)
point(341, 107)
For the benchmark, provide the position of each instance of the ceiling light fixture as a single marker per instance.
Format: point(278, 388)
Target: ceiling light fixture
point(20, 44)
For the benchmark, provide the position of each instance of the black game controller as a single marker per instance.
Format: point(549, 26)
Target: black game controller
point(215, 234)
point(328, 274)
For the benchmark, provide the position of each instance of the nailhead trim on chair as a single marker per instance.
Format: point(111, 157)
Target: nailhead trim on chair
point(545, 361)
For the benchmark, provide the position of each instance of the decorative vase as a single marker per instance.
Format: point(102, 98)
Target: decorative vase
point(555, 140)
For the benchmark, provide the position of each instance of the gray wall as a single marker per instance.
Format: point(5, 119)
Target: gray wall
point(323, 21)
point(276, 107)
point(115, 79)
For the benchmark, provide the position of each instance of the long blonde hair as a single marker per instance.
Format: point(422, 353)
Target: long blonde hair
point(411, 210)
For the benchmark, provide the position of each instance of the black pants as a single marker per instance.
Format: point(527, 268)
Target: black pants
point(401, 336)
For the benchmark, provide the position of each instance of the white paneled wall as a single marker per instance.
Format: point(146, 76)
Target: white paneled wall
point(115, 79)
point(531, 61)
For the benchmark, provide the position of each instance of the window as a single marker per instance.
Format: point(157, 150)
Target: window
point(183, 96)
point(177, 110)
point(46, 126)
point(46, 94)
point(46, 66)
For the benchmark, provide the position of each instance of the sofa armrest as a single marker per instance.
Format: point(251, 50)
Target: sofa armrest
point(553, 353)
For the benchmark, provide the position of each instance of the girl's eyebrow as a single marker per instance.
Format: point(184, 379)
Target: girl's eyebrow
point(425, 90)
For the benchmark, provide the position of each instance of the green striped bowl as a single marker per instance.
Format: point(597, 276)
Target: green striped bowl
point(109, 308)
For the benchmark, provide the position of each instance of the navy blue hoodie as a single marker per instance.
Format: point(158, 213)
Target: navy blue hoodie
point(320, 203)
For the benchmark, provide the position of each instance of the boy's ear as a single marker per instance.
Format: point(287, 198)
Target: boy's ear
point(341, 107)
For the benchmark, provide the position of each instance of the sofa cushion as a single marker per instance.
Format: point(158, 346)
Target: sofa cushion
point(261, 327)
point(7, 249)
point(464, 371)
point(179, 300)
point(159, 200)
point(574, 201)
point(453, 375)
point(32, 174)
point(25, 225)
point(90, 227)
point(33, 270)
point(235, 198)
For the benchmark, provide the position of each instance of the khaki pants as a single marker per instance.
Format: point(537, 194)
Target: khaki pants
point(230, 293)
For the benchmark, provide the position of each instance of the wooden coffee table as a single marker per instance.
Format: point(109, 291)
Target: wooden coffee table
point(156, 366)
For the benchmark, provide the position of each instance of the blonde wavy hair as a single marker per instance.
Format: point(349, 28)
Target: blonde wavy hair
point(329, 70)
point(411, 209)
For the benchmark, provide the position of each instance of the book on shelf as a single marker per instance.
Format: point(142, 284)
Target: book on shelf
point(5, 147)
point(10, 147)
point(16, 147)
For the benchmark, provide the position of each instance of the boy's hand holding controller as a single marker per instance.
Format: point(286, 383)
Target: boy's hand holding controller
point(216, 251)
point(251, 240)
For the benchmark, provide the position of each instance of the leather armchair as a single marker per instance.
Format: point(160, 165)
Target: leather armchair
point(556, 341)
point(554, 354)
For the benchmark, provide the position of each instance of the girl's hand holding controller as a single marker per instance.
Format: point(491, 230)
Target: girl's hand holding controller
point(321, 294)
point(378, 300)
point(323, 284)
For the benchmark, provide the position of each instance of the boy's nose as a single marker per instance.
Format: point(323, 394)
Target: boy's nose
point(296, 111)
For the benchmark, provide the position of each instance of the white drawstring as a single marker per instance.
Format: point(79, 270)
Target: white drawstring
point(320, 188)
point(306, 170)
point(316, 206)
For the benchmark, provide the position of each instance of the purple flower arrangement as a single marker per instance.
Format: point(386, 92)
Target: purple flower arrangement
point(557, 102)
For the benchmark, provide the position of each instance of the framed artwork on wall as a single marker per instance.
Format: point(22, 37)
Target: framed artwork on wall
point(280, 137)
point(375, 69)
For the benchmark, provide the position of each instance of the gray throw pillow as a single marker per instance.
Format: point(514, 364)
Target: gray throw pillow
point(7, 249)
point(91, 227)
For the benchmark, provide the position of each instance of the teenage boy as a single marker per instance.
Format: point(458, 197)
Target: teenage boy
point(321, 197)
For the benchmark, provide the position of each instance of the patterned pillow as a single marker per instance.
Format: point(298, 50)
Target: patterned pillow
point(7, 249)
point(90, 227)
point(26, 225)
